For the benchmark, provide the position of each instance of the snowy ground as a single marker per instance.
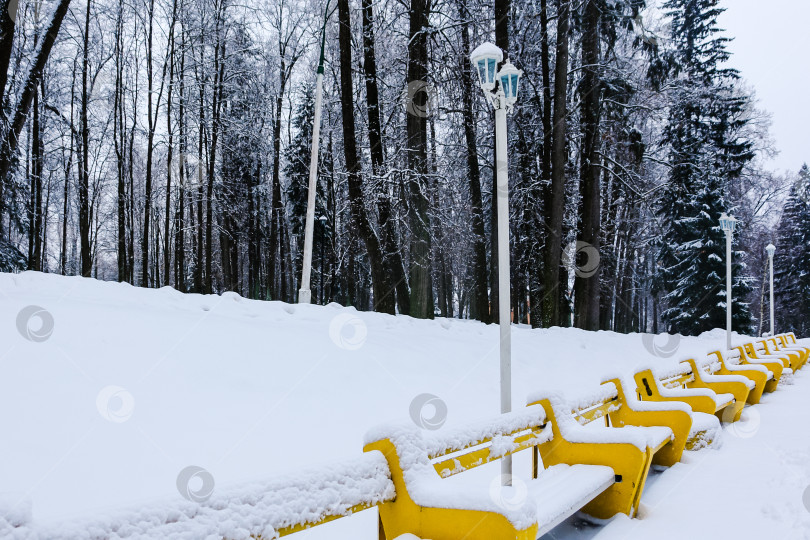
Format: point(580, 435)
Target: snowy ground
point(132, 386)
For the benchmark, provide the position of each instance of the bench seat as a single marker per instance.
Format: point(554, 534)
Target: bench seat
point(560, 490)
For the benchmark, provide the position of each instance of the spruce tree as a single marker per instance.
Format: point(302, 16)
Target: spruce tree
point(706, 157)
point(790, 265)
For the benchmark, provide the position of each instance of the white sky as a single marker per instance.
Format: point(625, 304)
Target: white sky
point(771, 48)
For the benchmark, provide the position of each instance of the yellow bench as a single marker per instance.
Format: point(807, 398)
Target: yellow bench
point(758, 374)
point(621, 409)
point(601, 478)
point(776, 365)
point(781, 345)
point(703, 400)
point(736, 385)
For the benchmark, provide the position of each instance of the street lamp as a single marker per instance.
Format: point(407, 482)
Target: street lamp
point(728, 224)
point(304, 293)
point(771, 249)
point(501, 90)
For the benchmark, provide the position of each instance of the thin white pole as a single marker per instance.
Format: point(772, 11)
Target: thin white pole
point(773, 332)
point(504, 303)
point(304, 293)
point(728, 290)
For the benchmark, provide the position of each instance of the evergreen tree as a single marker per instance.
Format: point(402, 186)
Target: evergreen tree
point(706, 156)
point(790, 265)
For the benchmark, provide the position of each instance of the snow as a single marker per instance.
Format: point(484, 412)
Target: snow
point(263, 391)
point(257, 509)
point(488, 49)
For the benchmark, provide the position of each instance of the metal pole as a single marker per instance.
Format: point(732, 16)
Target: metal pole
point(304, 293)
point(504, 303)
point(728, 290)
point(773, 332)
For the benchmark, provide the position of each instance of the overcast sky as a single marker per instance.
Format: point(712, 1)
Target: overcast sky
point(771, 48)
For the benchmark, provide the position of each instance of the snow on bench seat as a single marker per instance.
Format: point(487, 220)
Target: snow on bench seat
point(705, 430)
point(263, 509)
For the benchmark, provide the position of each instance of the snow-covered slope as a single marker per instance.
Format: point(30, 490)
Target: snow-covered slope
point(124, 388)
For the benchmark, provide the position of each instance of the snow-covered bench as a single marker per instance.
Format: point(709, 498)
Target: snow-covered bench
point(775, 347)
point(777, 365)
point(666, 426)
point(729, 365)
point(736, 385)
point(266, 510)
point(601, 476)
point(701, 400)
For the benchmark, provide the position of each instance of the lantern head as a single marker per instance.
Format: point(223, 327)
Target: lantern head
point(728, 223)
point(485, 59)
point(509, 78)
point(770, 249)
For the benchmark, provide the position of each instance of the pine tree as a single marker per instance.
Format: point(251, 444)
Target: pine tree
point(790, 265)
point(706, 157)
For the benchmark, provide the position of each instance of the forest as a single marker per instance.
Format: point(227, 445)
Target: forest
point(167, 143)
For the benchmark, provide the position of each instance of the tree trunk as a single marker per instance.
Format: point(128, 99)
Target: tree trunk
point(480, 297)
point(421, 282)
point(586, 283)
point(555, 204)
point(11, 134)
point(392, 258)
point(85, 217)
point(383, 298)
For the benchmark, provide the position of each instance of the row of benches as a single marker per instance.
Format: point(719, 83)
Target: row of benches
point(413, 477)
point(599, 471)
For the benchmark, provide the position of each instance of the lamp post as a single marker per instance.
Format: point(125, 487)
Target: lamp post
point(304, 293)
point(728, 224)
point(501, 91)
point(771, 249)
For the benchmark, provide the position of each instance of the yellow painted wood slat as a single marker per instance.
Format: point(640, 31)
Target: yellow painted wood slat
point(595, 412)
point(291, 529)
point(464, 461)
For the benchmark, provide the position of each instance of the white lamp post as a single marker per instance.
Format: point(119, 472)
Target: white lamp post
point(304, 293)
point(771, 249)
point(728, 224)
point(501, 91)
